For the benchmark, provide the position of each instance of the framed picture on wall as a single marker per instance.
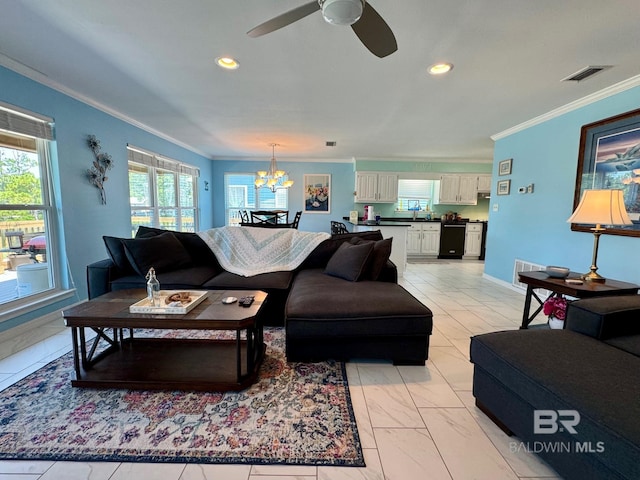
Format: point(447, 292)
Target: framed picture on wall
point(503, 187)
point(317, 193)
point(609, 158)
point(504, 167)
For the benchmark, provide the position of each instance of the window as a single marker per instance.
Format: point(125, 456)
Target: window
point(28, 265)
point(414, 194)
point(162, 192)
point(241, 194)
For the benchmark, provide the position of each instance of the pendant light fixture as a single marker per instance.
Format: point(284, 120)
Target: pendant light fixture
point(274, 178)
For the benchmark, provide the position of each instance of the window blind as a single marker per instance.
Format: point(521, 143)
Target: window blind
point(418, 189)
point(20, 121)
point(138, 155)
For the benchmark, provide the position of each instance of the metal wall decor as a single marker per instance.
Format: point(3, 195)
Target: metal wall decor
point(97, 174)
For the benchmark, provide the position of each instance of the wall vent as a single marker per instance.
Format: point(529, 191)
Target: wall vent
point(585, 73)
point(525, 266)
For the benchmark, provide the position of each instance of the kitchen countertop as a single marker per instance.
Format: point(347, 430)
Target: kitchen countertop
point(398, 222)
point(382, 223)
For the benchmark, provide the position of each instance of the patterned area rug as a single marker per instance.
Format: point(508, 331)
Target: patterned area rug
point(296, 413)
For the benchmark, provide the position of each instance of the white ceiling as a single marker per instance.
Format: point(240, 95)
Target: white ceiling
point(152, 61)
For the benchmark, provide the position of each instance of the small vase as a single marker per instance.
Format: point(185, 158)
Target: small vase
point(556, 324)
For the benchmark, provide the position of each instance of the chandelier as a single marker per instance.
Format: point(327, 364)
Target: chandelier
point(274, 178)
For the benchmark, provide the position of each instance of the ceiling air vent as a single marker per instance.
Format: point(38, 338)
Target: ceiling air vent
point(330, 144)
point(585, 73)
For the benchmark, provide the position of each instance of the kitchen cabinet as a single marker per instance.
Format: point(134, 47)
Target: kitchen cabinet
point(473, 240)
point(376, 187)
point(398, 244)
point(458, 190)
point(484, 183)
point(423, 239)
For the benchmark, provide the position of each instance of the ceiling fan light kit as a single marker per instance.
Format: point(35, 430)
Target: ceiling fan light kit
point(366, 23)
point(342, 12)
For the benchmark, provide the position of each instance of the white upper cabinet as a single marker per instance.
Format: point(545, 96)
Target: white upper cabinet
point(376, 187)
point(458, 190)
point(484, 183)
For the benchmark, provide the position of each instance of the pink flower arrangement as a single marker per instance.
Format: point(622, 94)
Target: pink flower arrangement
point(556, 307)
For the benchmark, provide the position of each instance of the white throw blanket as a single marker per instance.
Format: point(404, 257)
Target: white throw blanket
point(249, 251)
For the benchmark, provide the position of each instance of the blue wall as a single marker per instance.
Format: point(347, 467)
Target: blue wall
point(84, 220)
point(533, 227)
point(342, 185)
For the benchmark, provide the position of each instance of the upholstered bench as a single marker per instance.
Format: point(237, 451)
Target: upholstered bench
point(331, 318)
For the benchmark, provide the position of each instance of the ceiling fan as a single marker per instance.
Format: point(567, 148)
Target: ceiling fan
point(367, 24)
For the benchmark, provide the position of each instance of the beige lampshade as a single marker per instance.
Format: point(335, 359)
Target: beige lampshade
point(601, 207)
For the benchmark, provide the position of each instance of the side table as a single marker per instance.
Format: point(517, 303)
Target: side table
point(540, 279)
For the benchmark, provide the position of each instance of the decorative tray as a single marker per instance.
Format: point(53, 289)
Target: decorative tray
point(172, 308)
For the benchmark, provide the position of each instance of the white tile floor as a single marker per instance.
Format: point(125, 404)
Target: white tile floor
point(414, 422)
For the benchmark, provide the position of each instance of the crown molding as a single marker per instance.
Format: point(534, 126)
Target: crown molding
point(569, 107)
point(229, 158)
point(424, 159)
point(43, 79)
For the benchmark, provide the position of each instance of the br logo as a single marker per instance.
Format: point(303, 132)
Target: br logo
point(550, 421)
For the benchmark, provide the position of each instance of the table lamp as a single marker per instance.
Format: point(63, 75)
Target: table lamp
point(600, 207)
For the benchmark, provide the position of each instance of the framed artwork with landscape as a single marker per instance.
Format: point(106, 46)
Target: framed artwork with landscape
point(609, 158)
point(317, 193)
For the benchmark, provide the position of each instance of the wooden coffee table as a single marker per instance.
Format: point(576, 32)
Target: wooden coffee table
point(117, 359)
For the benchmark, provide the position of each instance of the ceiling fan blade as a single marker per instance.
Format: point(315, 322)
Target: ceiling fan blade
point(284, 19)
point(374, 33)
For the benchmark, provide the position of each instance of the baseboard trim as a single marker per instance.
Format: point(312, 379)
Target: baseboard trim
point(26, 334)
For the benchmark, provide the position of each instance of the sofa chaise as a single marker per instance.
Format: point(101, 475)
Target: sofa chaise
point(572, 396)
point(342, 302)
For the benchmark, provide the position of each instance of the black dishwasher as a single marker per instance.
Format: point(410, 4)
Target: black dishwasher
point(452, 240)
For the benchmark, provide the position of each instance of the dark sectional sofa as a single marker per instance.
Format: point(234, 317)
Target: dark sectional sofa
point(342, 303)
point(591, 369)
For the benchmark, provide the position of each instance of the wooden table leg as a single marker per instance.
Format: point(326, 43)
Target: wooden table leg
point(238, 357)
point(526, 318)
point(76, 354)
point(527, 305)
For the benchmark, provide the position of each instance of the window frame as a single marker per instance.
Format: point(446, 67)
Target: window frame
point(402, 205)
point(231, 214)
point(156, 164)
point(34, 128)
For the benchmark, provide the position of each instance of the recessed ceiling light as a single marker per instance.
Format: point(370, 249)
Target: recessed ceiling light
point(227, 62)
point(440, 68)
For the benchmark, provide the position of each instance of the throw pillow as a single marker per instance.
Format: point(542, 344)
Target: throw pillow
point(163, 252)
point(115, 249)
point(379, 256)
point(349, 261)
point(197, 249)
point(322, 253)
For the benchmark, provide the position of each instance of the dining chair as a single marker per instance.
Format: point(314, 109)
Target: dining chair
point(338, 227)
point(260, 217)
point(296, 219)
